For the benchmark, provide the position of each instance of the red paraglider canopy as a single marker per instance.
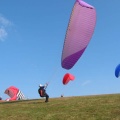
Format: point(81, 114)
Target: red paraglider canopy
point(67, 77)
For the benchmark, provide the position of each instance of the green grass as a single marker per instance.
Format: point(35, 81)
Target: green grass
point(99, 107)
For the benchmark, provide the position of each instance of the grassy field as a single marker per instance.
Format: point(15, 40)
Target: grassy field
point(98, 107)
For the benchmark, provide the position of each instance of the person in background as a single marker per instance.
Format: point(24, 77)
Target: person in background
point(42, 91)
point(0, 98)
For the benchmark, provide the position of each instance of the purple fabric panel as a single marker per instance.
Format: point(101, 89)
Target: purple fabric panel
point(69, 61)
point(79, 32)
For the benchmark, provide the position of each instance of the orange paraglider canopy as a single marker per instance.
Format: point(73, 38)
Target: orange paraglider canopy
point(67, 77)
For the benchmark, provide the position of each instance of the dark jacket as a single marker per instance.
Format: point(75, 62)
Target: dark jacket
point(42, 91)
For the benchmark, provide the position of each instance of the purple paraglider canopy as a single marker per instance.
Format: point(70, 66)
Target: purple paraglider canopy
point(79, 32)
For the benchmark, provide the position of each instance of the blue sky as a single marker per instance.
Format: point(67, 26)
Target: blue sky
point(31, 40)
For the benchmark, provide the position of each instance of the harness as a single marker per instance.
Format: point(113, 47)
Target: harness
point(41, 91)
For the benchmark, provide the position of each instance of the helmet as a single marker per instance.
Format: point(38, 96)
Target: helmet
point(40, 85)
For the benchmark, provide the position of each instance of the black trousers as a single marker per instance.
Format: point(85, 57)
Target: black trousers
point(45, 95)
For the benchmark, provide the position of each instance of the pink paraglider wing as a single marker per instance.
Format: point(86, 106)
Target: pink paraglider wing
point(14, 93)
point(79, 32)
